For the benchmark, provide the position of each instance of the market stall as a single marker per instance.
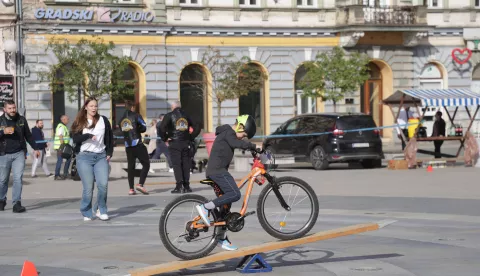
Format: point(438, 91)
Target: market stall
point(424, 98)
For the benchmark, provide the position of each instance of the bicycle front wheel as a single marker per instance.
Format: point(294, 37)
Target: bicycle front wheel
point(177, 233)
point(283, 224)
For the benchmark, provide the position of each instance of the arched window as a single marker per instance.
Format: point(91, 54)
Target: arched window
point(193, 91)
point(253, 104)
point(431, 77)
point(62, 104)
point(130, 77)
point(302, 104)
point(476, 79)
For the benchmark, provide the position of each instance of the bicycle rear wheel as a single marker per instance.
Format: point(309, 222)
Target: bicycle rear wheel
point(176, 231)
point(283, 224)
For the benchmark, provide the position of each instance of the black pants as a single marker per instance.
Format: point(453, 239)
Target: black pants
point(404, 143)
point(231, 192)
point(180, 156)
point(438, 145)
point(133, 153)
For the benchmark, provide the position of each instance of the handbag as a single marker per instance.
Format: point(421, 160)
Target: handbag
point(66, 151)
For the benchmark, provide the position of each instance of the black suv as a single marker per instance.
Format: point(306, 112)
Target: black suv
point(341, 145)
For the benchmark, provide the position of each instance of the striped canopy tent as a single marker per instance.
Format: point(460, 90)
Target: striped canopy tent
point(434, 97)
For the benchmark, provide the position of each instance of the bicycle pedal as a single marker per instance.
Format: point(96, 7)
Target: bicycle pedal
point(248, 214)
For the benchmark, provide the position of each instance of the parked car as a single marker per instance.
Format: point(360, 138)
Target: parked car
point(341, 145)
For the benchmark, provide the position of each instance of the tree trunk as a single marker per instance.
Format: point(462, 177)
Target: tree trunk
point(219, 113)
point(334, 106)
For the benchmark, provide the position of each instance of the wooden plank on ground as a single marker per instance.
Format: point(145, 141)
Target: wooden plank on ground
point(254, 249)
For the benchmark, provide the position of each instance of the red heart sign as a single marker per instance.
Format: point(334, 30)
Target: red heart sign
point(461, 51)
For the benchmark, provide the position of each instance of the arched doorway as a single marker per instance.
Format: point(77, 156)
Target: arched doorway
point(62, 102)
point(303, 105)
point(431, 77)
point(193, 92)
point(371, 94)
point(131, 79)
point(254, 104)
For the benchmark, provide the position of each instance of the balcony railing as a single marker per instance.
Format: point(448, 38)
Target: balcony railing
point(390, 15)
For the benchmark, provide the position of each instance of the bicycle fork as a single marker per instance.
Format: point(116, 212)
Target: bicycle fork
point(276, 190)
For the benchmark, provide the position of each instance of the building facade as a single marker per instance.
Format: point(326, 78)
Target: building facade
point(410, 44)
point(7, 58)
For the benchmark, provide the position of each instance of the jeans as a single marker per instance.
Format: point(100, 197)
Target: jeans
point(162, 148)
point(42, 159)
point(180, 154)
point(59, 164)
point(12, 162)
point(231, 192)
point(133, 153)
point(93, 167)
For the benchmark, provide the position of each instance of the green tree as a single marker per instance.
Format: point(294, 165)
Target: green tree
point(90, 67)
point(333, 75)
point(229, 78)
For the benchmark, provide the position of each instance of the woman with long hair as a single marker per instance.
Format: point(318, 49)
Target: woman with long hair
point(93, 138)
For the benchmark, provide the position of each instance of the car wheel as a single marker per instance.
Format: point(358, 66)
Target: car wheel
point(372, 163)
point(318, 157)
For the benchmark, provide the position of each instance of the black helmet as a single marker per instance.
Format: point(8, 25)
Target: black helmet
point(246, 123)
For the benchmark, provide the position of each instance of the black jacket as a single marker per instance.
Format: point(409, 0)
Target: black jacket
point(38, 136)
point(79, 138)
point(21, 135)
point(175, 125)
point(439, 128)
point(132, 126)
point(223, 148)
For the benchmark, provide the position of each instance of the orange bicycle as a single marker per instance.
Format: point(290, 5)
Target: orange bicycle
point(281, 207)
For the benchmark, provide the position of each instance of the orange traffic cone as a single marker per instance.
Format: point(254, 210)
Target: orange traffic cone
point(430, 168)
point(29, 269)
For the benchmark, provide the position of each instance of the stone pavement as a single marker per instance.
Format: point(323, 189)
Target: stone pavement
point(436, 233)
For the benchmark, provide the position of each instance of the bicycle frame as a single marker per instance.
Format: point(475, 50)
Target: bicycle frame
point(258, 169)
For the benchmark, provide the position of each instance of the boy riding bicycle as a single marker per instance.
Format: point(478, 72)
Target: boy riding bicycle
point(228, 139)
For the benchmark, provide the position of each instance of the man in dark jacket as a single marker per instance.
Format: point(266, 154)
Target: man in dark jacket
point(132, 126)
point(37, 133)
point(14, 132)
point(439, 128)
point(175, 129)
point(162, 147)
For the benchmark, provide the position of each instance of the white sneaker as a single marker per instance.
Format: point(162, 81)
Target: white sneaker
point(170, 170)
point(98, 213)
point(102, 216)
point(151, 171)
point(86, 219)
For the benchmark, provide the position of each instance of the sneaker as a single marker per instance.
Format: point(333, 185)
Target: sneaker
point(86, 219)
point(141, 189)
point(227, 245)
point(187, 190)
point(3, 203)
point(102, 216)
point(18, 208)
point(50, 175)
point(170, 170)
point(97, 213)
point(177, 191)
point(151, 171)
point(203, 212)
point(132, 192)
point(58, 177)
point(34, 176)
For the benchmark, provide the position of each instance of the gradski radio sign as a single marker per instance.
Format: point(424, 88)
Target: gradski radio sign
point(106, 15)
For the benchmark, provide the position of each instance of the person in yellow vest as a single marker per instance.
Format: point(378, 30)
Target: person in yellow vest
point(62, 135)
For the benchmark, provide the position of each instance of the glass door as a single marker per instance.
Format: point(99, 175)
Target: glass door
point(305, 105)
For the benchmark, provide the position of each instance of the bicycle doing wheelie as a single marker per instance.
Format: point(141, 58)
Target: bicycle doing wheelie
point(282, 205)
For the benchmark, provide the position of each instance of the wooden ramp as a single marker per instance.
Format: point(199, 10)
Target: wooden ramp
point(254, 249)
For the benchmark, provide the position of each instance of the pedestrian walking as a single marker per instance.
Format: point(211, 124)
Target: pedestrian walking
point(162, 147)
point(14, 133)
point(439, 129)
point(132, 126)
point(37, 133)
point(402, 120)
point(175, 129)
point(62, 136)
point(152, 144)
point(93, 138)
